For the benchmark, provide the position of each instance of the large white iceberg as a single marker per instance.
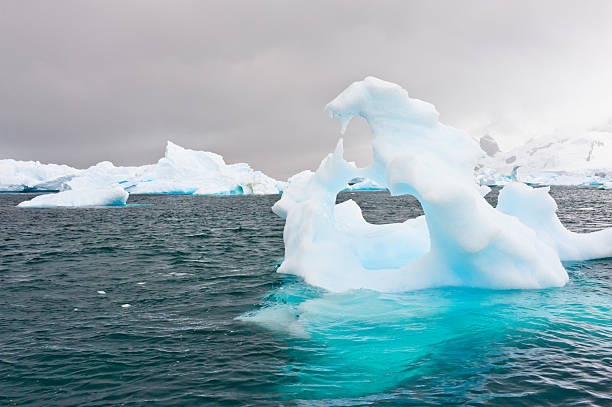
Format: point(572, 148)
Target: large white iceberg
point(114, 196)
point(461, 241)
point(180, 171)
point(203, 173)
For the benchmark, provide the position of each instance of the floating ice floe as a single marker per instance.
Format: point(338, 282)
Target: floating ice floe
point(361, 184)
point(181, 171)
point(113, 196)
point(460, 241)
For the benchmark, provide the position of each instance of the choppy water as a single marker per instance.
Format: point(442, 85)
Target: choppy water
point(198, 272)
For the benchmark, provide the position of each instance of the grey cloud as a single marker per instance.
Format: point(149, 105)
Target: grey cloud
point(88, 81)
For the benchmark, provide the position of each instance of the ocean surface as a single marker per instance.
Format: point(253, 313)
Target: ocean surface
point(174, 300)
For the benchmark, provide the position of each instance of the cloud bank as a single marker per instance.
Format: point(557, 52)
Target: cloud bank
point(83, 82)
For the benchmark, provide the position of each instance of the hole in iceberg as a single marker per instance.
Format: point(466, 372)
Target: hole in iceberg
point(381, 208)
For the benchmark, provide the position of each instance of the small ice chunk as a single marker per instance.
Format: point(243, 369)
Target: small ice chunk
point(101, 292)
point(126, 306)
point(114, 196)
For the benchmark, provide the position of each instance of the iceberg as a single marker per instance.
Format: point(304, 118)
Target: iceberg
point(362, 184)
point(24, 176)
point(202, 173)
point(114, 196)
point(180, 171)
point(460, 241)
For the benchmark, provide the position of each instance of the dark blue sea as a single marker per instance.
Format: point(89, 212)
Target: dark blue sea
point(174, 301)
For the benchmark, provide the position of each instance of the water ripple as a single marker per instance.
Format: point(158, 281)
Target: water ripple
point(188, 266)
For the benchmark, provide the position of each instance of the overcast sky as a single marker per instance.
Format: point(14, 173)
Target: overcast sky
point(86, 81)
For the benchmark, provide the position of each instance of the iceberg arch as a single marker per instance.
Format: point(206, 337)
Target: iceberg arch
point(461, 241)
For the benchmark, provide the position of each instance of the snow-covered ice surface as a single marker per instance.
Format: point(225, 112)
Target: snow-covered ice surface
point(113, 196)
point(181, 170)
point(461, 241)
point(583, 159)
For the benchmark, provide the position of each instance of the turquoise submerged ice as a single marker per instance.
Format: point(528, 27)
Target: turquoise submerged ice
point(460, 241)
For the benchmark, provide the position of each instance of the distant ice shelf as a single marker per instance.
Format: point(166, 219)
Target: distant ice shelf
point(571, 159)
point(180, 171)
